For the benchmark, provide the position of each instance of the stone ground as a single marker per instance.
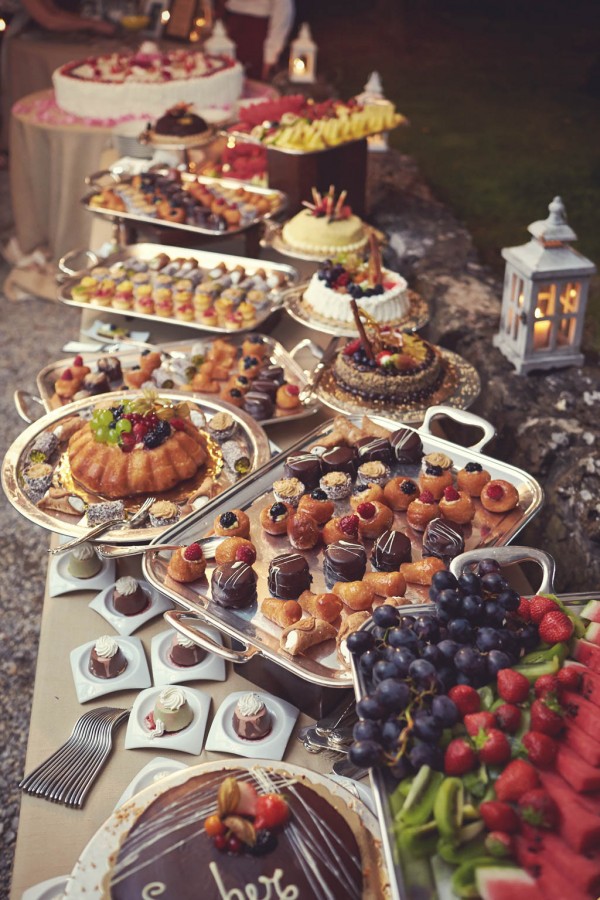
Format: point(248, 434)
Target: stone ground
point(547, 425)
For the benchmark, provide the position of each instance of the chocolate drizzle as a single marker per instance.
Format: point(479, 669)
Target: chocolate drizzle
point(306, 467)
point(233, 585)
point(289, 576)
point(344, 561)
point(407, 445)
point(443, 540)
point(340, 459)
point(375, 450)
point(390, 550)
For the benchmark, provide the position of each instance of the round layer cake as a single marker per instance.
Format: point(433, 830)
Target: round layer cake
point(323, 235)
point(146, 83)
point(322, 851)
point(402, 375)
point(330, 290)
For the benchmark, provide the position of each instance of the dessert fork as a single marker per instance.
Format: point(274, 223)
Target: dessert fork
point(135, 520)
point(107, 551)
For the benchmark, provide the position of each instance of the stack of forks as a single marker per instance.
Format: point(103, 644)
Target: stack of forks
point(67, 776)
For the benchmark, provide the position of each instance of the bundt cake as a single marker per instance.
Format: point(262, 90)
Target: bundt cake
point(136, 447)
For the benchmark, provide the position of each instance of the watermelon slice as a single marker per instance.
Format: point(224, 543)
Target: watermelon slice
point(588, 654)
point(590, 685)
point(582, 777)
point(582, 744)
point(583, 713)
point(592, 633)
point(591, 611)
point(497, 883)
point(583, 872)
point(555, 885)
point(579, 827)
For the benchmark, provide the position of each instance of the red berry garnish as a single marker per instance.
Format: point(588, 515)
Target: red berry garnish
point(451, 493)
point(67, 375)
point(246, 554)
point(494, 491)
point(426, 497)
point(545, 684)
point(570, 677)
point(177, 424)
point(352, 347)
point(366, 510)
point(292, 389)
point(220, 841)
point(78, 361)
point(139, 431)
point(349, 525)
point(193, 552)
point(234, 845)
point(128, 442)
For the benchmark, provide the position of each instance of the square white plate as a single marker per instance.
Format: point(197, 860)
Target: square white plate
point(60, 581)
point(103, 605)
point(52, 889)
point(212, 667)
point(223, 738)
point(188, 740)
point(98, 324)
point(157, 768)
point(89, 687)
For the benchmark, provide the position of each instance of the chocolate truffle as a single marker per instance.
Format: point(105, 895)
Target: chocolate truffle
point(443, 540)
point(107, 660)
point(340, 459)
point(390, 550)
point(406, 445)
point(184, 652)
point(96, 383)
point(233, 585)
point(273, 373)
point(344, 561)
point(266, 386)
point(129, 598)
point(375, 450)
point(258, 405)
point(111, 366)
point(306, 467)
point(289, 576)
point(251, 718)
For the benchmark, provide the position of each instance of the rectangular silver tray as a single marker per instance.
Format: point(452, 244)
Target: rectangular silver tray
point(129, 356)
point(186, 178)
point(207, 260)
point(249, 626)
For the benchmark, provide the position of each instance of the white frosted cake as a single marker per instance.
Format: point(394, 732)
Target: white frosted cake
point(146, 83)
point(331, 288)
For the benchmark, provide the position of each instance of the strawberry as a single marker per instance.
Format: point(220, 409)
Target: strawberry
point(193, 552)
point(541, 749)
point(545, 684)
point(271, 812)
point(474, 722)
point(547, 715)
point(537, 808)
point(499, 816)
point(519, 776)
point(512, 686)
point(248, 800)
point(466, 699)
point(570, 678)
point(352, 347)
point(493, 747)
point(539, 606)
point(450, 494)
point(499, 844)
point(383, 358)
point(459, 757)
point(555, 626)
point(523, 611)
point(508, 717)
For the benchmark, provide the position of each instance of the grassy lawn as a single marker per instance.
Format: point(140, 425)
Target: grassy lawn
point(502, 115)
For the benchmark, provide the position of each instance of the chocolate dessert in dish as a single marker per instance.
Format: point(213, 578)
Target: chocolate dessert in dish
point(340, 459)
point(443, 540)
point(251, 718)
point(179, 121)
point(289, 576)
point(390, 550)
point(233, 585)
point(406, 445)
point(184, 652)
point(306, 467)
point(344, 561)
point(374, 450)
point(107, 660)
point(129, 598)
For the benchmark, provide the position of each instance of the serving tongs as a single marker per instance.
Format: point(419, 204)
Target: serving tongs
point(138, 519)
point(323, 357)
point(108, 551)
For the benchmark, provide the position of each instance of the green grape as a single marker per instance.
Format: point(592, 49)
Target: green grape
point(105, 416)
point(123, 425)
point(113, 436)
point(101, 434)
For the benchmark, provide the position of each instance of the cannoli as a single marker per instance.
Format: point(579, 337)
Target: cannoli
point(350, 624)
point(306, 633)
point(60, 500)
point(355, 594)
point(422, 571)
point(386, 584)
point(371, 429)
point(282, 612)
point(236, 457)
point(322, 606)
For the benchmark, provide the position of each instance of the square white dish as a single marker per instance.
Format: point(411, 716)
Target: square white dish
point(188, 740)
point(223, 738)
point(60, 581)
point(89, 687)
point(212, 667)
point(98, 325)
point(157, 768)
point(125, 625)
point(52, 889)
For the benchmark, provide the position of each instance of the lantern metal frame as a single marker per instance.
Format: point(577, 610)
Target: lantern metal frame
point(303, 49)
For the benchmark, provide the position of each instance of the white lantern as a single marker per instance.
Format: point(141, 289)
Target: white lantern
point(373, 95)
point(219, 43)
point(545, 296)
point(303, 57)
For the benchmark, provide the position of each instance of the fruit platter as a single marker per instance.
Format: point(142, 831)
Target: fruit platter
point(478, 718)
point(208, 366)
point(98, 459)
point(291, 540)
point(198, 289)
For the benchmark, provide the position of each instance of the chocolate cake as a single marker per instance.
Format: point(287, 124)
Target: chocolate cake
point(251, 718)
point(180, 122)
point(107, 660)
point(406, 445)
point(306, 467)
point(289, 576)
point(233, 585)
point(390, 550)
point(344, 561)
point(129, 598)
point(184, 652)
point(340, 459)
point(374, 450)
point(443, 540)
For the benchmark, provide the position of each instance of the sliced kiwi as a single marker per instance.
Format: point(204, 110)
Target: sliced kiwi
point(533, 671)
point(448, 807)
point(417, 843)
point(418, 806)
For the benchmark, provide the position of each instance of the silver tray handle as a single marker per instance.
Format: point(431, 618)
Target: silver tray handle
point(464, 418)
point(508, 556)
point(95, 179)
point(175, 620)
point(307, 344)
point(66, 269)
point(22, 401)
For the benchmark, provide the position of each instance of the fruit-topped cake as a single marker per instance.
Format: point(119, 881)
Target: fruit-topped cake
point(179, 122)
point(325, 227)
point(139, 446)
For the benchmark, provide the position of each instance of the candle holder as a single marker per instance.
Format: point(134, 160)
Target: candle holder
point(303, 57)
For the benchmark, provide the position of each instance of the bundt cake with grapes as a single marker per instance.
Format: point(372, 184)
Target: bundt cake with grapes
point(136, 447)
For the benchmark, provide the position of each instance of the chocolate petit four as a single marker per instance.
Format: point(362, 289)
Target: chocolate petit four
point(375, 450)
point(406, 445)
point(184, 652)
point(129, 598)
point(289, 576)
point(265, 386)
point(344, 561)
point(273, 373)
point(171, 712)
point(443, 540)
point(107, 660)
point(391, 549)
point(251, 718)
point(306, 467)
point(259, 405)
point(233, 585)
point(340, 459)
point(111, 366)
point(96, 383)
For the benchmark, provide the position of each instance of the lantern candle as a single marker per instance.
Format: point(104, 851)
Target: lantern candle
point(298, 65)
point(541, 332)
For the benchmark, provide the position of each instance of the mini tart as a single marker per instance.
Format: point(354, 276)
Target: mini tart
point(233, 395)
point(221, 427)
point(274, 518)
point(233, 523)
point(499, 496)
point(422, 510)
point(337, 485)
point(374, 472)
point(472, 479)
point(367, 492)
point(185, 570)
point(341, 528)
point(373, 523)
point(249, 366)
point(288, 490)
point(317, 505)
point(400, 492)
point(435, 479)
point(230, 548)
point(254, 345)
point(163, 512)
point(459, 509)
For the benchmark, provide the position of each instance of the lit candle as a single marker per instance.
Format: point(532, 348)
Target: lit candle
point(541, 332)
point(298, 66)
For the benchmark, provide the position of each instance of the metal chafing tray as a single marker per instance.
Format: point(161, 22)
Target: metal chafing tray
point(206, 260)
point(249, 627)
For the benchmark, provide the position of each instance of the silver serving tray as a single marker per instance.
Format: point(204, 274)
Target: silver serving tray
point(381, 782)
point(206, 259)
point(130, 356)
point(114, 179)
point(16, 457)
point(248, 138)
point(249, 627)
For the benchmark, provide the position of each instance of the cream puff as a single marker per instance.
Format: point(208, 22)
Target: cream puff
point(472, 479)
point(457, 506)
point(499, 496)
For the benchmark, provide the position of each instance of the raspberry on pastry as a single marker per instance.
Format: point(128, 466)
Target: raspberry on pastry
point(499, 496)
point(422, 510)
point(373, 519)
point(457, 506)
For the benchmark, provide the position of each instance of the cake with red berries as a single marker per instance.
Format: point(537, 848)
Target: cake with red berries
point(136, 447)
point(326, 227)
point(383, 297)
point(266, 832)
